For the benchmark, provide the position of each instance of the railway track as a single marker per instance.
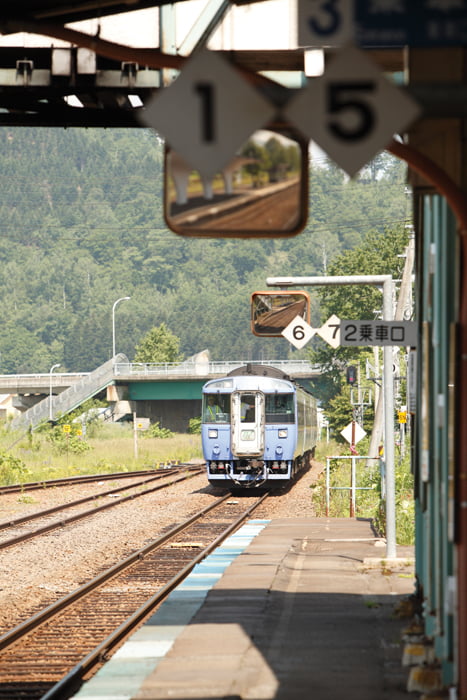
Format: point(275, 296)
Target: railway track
point(261, 213)
point(50, 654)
point(84, 479)
point(19, 523)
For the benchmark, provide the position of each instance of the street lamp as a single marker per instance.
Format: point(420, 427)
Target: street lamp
point(50, 390)
point(113, 322)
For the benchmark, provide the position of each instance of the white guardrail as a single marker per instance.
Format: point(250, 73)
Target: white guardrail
point(189, 369)
point(13, 382)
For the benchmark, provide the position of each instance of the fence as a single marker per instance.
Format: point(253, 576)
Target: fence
point(353, 487)
point(208, 368)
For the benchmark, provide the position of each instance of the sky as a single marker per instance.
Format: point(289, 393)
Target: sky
point(265, 25)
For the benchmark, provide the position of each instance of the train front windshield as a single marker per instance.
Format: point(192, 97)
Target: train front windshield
point(280, 408)
point(216, 408)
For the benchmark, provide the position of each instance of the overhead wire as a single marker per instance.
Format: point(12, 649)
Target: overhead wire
point(157, 234)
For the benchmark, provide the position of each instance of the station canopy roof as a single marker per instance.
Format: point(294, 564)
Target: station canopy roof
point(65, 11)
point(58, 64)
point(77, 76)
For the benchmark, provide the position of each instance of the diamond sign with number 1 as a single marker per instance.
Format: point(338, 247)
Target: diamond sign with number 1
point(208, 112)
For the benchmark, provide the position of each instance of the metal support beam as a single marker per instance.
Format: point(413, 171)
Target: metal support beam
point(206, 23)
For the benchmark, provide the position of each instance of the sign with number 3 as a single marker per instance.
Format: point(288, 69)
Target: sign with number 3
point(324, 23)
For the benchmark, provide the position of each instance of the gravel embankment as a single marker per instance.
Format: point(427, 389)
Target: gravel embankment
point(37, 573)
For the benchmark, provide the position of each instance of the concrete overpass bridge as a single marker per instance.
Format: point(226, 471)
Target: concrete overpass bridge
point(169, 392)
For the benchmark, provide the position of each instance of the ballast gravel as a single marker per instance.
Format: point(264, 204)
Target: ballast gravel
point(36, 573)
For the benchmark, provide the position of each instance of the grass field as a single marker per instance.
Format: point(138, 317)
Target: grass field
point(106, 449)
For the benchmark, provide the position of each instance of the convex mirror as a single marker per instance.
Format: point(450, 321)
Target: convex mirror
point(271, 312)
point(262, 192)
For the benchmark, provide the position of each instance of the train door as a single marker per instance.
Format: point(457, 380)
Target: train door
point(247, 425)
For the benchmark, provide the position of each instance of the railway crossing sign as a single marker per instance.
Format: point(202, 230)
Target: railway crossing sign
point(298, 332)
point(352, 111)
point(208, 112)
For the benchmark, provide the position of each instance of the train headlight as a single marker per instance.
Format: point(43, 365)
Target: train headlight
point(283, 433)
point(212, 433)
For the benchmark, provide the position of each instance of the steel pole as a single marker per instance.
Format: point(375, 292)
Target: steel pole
point(384, 281)
point(388, 396)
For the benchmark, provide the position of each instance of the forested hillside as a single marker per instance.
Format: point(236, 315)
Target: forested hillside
point(82, 225)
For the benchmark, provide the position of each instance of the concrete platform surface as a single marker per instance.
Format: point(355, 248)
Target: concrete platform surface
point(285, 609)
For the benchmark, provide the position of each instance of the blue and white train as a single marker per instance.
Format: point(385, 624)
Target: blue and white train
point(258, 428)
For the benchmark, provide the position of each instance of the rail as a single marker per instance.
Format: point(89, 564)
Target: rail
point(94, 619)
point(138, 489)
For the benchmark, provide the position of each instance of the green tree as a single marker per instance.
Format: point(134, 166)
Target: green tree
point(159, 345)
point(339, 413)
point(377, 255)
point(255, 152)
point(82, 223)
point(278, 157)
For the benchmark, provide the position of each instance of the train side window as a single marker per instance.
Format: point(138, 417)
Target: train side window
point(279, 408)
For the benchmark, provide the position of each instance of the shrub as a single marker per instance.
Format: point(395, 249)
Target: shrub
point(155, 431)
point(11, 469)
point(67, 442)
point(194, 426)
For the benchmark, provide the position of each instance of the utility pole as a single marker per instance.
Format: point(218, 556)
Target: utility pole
point(384, 281)
point(401, 313)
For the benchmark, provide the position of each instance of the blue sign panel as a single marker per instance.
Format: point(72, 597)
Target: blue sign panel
point(416, 23)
